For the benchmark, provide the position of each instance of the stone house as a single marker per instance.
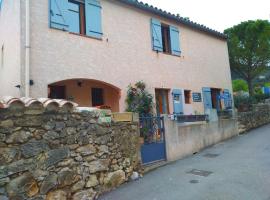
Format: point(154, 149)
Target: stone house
point(89, 51)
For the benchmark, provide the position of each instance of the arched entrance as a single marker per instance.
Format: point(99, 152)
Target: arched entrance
point(86, 93)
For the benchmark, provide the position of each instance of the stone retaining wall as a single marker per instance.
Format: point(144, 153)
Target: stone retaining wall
point(60, 155)
point(259, 116)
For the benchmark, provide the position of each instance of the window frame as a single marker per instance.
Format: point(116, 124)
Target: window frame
point(82, 20)
point(166, 38)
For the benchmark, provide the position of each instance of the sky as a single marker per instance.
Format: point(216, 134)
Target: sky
point(216, 14)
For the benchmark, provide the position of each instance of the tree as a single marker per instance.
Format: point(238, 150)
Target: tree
point(240, 85)
point(249, 50)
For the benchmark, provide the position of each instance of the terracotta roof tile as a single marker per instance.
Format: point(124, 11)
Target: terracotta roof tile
point(9, 101)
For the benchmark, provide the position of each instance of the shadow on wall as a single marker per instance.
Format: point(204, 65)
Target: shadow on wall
point(86, 93)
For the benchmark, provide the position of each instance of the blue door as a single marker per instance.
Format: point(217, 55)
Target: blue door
point(152, 130)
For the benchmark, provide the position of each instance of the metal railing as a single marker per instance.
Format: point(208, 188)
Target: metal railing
point(191, 118)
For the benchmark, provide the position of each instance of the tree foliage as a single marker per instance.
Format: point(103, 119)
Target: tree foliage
point(240, 85)
point(139, 100)
point(249, 49)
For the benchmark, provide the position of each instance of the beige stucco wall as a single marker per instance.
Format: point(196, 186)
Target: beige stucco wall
point(10, 38)
point(186, 139)
point(125, 54)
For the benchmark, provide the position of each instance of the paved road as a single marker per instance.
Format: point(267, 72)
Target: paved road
point(241, 171)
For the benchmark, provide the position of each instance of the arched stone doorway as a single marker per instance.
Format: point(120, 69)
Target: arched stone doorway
point(86, 93)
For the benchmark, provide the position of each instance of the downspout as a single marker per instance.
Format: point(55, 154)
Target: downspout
point(27, 48)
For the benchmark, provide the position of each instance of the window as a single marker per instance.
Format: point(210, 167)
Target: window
point(187, 94)
point(166, 40)
point(57, 92)
point(97, 97)
point(76, 18)
point(162, 102)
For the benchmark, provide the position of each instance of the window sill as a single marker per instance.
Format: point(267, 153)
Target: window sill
point(86, 36)
point(169, 54)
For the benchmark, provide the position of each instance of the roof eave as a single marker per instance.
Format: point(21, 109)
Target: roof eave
point(173, 17)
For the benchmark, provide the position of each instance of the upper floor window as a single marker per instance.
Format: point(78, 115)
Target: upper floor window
point(77, 16)
point(165, 38)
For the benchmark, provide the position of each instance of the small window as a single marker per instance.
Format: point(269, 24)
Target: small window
point(76, 17)
point(187, 96)
point(166, 40)
point(162, 101)
point(97, 97)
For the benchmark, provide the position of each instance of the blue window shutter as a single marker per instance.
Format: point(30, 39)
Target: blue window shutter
point(59, 14)
point(175, 41)
point(227, 99)
point(1, 1)
point(177, 102)
point(74, 17)
point(207, 98)
point(93, 18)
point(156, 35)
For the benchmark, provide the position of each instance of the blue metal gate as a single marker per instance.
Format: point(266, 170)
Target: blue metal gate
point(152, 131)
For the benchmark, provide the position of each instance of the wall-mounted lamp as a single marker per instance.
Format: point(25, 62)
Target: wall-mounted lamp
point(31, 82)
point(18, 86)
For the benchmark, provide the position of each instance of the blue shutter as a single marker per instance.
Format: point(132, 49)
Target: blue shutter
point(207, 98)
point(175, 41)
point(74, 17)
point(177, 102)
point(156, 35)
point(227, 99)
point(1, 4)
point(93, 18)
point(59, 14)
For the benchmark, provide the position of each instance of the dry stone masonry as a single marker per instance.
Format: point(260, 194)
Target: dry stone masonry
point(60, 155)
point(258, 116)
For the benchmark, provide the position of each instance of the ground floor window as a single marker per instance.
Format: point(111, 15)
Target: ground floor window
point(57, 92)
point(162, 101)
point(187, 94)
point(97, 97)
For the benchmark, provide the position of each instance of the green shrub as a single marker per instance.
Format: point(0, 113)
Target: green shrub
point(267, 84)
point(240, 85)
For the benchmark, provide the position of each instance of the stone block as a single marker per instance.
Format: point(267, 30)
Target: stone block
point(33, 148)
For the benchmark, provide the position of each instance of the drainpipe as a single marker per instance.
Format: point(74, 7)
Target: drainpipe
point(27, 48)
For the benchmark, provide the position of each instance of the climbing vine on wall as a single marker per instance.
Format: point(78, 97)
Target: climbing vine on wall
point(139, 100)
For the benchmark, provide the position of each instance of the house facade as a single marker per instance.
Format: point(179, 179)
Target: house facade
point(89, 51)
